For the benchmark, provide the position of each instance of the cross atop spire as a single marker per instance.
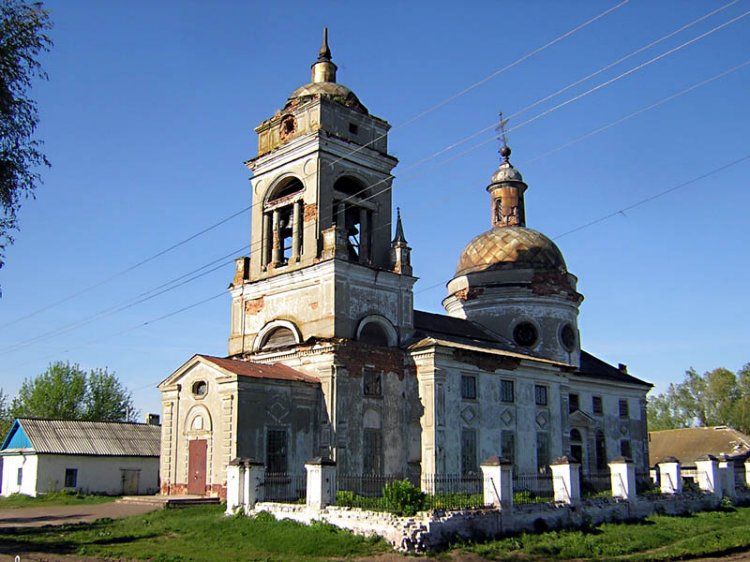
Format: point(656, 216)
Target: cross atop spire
point(502, 136)
point(325, 52)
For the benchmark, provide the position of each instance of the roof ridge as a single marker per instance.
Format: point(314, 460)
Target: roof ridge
point(37, 418)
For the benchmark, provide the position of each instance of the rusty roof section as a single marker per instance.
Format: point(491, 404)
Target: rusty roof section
point(69, 437)
point(690, 443)
point(276, 371)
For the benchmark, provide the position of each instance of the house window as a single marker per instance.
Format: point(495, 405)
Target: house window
point(576, 446)
point(71, 477)
point(19, 476)
point(542, 452)
point(200, 388)
point(468, 387)
point(373, 452)
point(597, 406)
point(276, 451)
point(353, 128)
point(468, 451)
point(625, 450)
point(540, 395)
point(508, 445)
point(372, 382)
point(507, 393)
point(574, 403)
point(624, 409)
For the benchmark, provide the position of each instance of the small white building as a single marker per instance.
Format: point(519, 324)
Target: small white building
point(40, 456)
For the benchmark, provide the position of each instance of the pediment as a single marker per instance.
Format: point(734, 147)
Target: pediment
point(581, 419)
point(195, 362)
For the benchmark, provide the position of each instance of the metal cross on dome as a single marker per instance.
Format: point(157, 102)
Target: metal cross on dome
point(502, 134)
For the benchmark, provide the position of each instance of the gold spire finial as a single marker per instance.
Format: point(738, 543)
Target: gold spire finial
point(323, 70)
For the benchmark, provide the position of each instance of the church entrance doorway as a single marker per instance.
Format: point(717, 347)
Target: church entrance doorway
point(197, 467)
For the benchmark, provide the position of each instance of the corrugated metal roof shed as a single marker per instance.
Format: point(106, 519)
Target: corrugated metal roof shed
point(92, 438)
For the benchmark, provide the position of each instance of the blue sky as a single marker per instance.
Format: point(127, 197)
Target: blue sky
point(149, 112)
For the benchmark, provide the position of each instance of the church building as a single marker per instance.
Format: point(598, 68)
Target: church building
point(328, 357)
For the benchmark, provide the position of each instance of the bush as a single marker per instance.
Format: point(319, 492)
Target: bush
point(346, 498)
point(403, 498)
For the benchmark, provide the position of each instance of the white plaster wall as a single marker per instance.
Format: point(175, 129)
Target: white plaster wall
point(11, 464)
point(101, 475)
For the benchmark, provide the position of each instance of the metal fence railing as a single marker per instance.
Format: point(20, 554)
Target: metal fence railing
point(532, 488)
point(596, 484)
point(284, 487)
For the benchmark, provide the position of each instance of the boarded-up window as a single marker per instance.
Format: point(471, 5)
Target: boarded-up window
point(468, 451)
point(372, 452)
point(624, 409)
point(507, 391)
point(372, 382)
point(278, 337)
point(508, 445)
point(276, 450)
point(468, 387)
point(542, 451)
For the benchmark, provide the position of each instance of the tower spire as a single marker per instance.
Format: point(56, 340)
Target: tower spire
point(323, 69)
point(325, 52)
point(399, 238)
point(506, 186)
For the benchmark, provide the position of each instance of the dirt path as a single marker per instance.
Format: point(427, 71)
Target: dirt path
point(61, 514)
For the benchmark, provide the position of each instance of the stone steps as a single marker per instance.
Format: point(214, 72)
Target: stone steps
point(166, 502)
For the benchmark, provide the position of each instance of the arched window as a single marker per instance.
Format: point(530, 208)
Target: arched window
point(353, 214)
point(601, 451)
point(282, 223)
point(575, 436)
point(374, 334)
point(278, 338)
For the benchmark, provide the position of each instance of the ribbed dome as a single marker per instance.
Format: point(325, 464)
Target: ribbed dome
point(331, 90)
point(510, 247)
point(506, 172)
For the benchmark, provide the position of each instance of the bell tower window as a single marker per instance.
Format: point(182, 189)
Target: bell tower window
point(353, 214)
point(282, 223)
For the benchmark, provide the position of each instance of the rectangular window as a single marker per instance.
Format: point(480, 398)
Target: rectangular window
point(508, 445)
point(625, 449)
point(19, 476)
point(542, 452)
point(624, 409)
point(574, 403)
point(353, 128)
point(596, 405)
point(507, 392)
point(71, 477)
point(540, 395)
point(468, 451)
point(276, 450)
point(468, 387)
point(373, 452)
point(372, 382)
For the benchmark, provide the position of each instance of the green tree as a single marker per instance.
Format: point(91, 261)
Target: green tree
point(23, 38)
point(66, 391)
point(717, 397)
point(5, 417)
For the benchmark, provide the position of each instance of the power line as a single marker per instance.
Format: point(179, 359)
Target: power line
point(492, 75)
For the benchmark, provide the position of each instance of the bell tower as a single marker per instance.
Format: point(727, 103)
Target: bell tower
point(321, 190)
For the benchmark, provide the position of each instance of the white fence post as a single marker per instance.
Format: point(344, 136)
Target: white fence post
point(708, 475)
point(670, 476)
point(726, 475)
point(747, 473)
point(497, 474)
point(622, 477)
point(321, 482)
point(235, 485)
point(255, 473)
point(566, 480)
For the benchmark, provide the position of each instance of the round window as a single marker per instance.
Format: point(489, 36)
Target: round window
point(568, 337)
point(525, 334)
point(200, 388)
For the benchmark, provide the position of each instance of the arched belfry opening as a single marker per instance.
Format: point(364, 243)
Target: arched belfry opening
point(353, 214)
point(282, 223)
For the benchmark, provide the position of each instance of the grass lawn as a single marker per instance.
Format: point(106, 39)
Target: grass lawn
point(194, 533)
point(55, 498)
point(656, 538)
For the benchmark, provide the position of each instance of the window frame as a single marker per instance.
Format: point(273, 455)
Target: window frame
point(374, 389)
point(465, 395)
point(504, 384)
point(71, 474)
point(269, 464)
point(624, 408)
point(541, 395)
point(469, 463)
point(571, 409)
point(626, 449)
point(597, 405)
point(19, 476)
